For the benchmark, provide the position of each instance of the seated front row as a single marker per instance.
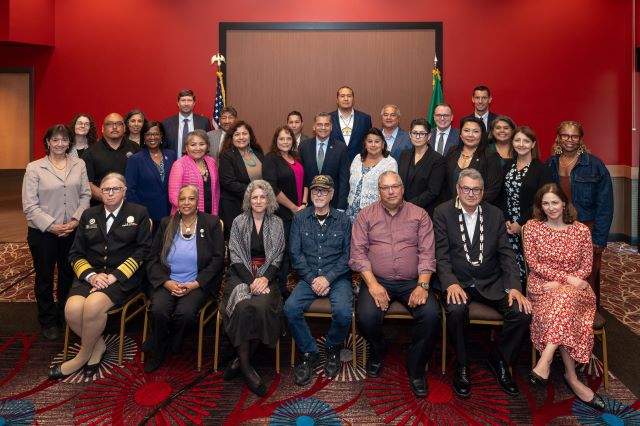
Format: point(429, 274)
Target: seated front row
point(393, 245)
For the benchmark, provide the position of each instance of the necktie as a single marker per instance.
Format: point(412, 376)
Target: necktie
point(185, 132)
point(110, 219)
point(320, 157)
point(440, 147)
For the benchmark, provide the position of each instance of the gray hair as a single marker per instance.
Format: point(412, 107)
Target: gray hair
point(114, 175)
point(272, 203)
point(470, 173)
point(389, 173)
point(191, 187)
point(321, 114)
point(395, 107)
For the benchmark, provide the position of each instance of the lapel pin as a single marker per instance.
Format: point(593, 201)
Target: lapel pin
point(201, 233)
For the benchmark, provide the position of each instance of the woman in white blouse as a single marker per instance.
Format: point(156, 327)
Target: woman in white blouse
point(366, 168)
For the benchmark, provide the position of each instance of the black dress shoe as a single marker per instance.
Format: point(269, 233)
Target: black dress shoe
point(501, 371)
point(374, 367)
point(51, 332)
point(461, 383)
point(90, 370)
point(536, 379)
point(154, 362)
point(419, 386)
point(303, 373)
point(332, 364)
point(254, 382)
point(596, 402)
point(232, 370)
point(55, 373)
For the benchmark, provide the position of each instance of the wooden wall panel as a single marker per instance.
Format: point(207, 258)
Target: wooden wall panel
point(270, 73)
point(15, 131)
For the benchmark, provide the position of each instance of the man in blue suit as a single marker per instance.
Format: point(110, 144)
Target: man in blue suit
point(481, 99)
point(349, 125)
point(397, 139)
point(443, 136)
point(178, 126)
point(324, 155)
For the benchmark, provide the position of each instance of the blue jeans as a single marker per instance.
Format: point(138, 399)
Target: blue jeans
point(340, 295)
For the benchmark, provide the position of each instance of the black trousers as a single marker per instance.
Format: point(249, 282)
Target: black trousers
point(514, 330)
point(286, 262)
point(425, 326)
point(173, 316)
point(48, 251)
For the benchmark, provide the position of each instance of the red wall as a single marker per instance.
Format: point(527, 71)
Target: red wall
point(544, 64)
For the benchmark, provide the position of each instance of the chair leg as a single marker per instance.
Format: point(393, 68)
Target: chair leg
point(216, 345)
point(354, 358)
point(534, 356)
point(293, 351)
point(123, 321)
point(444, 341)
point(605, 360)
point(200, 337)
point(145, 331)
point(278, 356)
point(65, 351)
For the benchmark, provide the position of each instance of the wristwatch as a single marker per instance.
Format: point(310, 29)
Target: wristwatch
point(425, 286)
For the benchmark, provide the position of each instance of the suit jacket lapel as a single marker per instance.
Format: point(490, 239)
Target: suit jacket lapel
point(151, 165)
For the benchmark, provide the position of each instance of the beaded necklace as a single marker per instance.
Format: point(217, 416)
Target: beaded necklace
point(464, 238)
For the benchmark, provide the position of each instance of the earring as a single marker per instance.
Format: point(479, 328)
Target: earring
point(557, 149)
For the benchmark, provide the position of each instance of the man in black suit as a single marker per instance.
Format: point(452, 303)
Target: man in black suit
point(324, 155)
point(476, 264)
point(481, 99)
point(349, 125)
point(178, 126)
point(443, 136)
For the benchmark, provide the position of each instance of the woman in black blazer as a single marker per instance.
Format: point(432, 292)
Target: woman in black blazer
point(284, 172)
point(523, 176)
point(421, 168)
point(241, 161)
point(473, 152)
point(185, 269)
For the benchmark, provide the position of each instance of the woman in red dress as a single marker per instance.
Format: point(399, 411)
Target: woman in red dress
point(559, 253)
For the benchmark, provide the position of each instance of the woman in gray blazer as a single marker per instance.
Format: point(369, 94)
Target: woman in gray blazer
point(55, 192)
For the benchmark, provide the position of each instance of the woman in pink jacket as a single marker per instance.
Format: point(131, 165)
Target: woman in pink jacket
point(199, 169)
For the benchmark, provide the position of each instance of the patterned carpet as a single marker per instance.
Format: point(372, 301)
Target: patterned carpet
point(179, 394)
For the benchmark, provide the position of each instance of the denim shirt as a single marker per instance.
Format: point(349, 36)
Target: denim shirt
point(592, 193)
point(320, 250)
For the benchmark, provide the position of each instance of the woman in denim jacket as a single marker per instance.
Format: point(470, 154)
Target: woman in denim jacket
point(586, 181)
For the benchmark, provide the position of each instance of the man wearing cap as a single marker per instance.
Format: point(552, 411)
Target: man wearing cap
point(319, 248)
point(393, 248)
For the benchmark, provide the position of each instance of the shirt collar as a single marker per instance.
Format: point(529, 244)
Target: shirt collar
point(393, 134)
point(445, 131)
point(115, 212)
point(470, 215)
point(189, 117)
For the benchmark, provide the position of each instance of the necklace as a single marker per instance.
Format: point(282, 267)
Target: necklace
point(346, 130)
point(252, 161)
point(56, 167)
point(464, 238)
point(568, 163)
point(187, 234)
point(204, 171)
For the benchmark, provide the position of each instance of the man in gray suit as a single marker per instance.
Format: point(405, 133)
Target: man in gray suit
point(443, 136)
point(397, 139)
point(228, 116)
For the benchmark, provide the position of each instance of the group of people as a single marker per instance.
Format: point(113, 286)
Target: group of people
point(416, 213)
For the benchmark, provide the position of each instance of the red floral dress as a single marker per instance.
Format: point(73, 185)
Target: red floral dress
point(563, 316)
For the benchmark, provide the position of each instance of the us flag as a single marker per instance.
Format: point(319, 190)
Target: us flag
point(220, 101)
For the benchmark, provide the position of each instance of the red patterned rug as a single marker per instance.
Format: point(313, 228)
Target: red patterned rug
point(179, 394)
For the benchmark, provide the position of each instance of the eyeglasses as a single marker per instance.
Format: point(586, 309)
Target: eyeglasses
point(389, 114)
point(81, 124)
point(114, 124)
point(152, 135)
point(389, 188)
point(566, 137)
point(419, 135)
point(467, 190)
point(323, 125)
point(114, 189)
point(441, 116)
point(320, 192)
point(60, 141)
